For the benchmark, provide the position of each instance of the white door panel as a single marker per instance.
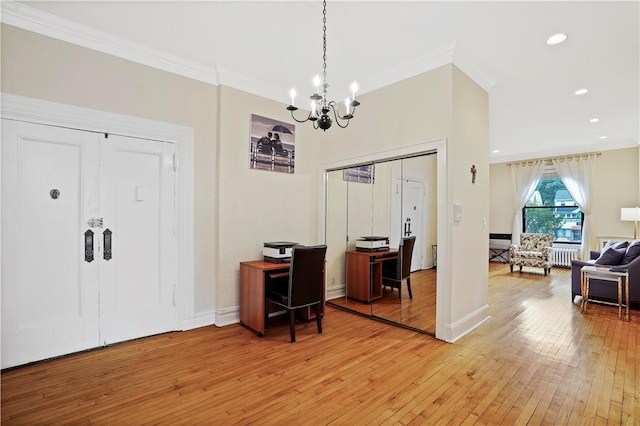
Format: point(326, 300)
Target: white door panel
point(412, 203)
point(49, 293)
point(139, 199)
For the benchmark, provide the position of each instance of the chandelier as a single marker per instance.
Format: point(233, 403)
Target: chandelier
point(320, 105)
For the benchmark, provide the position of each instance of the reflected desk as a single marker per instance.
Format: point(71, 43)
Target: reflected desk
point(255, 277)
point(364, 273)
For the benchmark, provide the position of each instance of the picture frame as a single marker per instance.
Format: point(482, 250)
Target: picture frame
point(272, 145)
point(360, 174)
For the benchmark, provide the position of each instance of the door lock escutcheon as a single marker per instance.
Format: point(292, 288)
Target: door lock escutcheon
point(96, 222)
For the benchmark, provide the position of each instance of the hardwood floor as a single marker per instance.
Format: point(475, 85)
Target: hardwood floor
point(537, 361)
point(419, 312)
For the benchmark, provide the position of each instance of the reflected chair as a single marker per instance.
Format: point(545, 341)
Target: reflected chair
point(393, 273)
point(304, 287)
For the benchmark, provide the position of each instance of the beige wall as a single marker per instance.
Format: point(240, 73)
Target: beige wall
point(442, 103)
point(469, 146)
point(256, 206)
point(236, 208)
point(616, 185)
point(44, 68)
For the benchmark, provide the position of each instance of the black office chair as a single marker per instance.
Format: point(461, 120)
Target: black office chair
point(394, 272)
point(305, 285)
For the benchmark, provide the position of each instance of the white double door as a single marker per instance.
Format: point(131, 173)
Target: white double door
point(88, 230)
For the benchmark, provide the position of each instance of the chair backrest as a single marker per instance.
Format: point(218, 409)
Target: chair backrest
point(405, 253)
point(535, 242)
point(306, 275)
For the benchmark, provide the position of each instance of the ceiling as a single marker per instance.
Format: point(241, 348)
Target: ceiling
point(267, 47)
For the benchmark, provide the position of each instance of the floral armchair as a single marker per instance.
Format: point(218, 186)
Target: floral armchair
point(534, 250)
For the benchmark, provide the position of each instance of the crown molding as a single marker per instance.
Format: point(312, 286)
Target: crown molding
point(464, 60)
point(569, 150)
point(230, 78)
point(34, 20)
point(419, 65)
point(31, 19)
point(450, 53)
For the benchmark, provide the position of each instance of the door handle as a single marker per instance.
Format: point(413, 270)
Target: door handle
point(106, 237)
point(88, 246)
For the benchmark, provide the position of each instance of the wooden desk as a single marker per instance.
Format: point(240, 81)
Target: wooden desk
point(255, 276)
point(364, 273)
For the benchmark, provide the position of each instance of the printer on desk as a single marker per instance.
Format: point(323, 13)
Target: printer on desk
point(372, 243)
point(278, 251)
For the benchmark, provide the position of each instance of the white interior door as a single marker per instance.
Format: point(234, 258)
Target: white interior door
point(412, 211)
point(49, 291)
point(137, 286)
point(55, 299)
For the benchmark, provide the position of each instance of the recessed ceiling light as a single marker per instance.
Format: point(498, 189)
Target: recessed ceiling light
point(594, 120)
point(495, 151)
point(556, 39)
point(604, 137)
point(581, 91)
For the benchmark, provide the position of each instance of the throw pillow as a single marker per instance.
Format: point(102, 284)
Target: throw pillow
point(611, 256)
point(632, 252)
point(615, 244)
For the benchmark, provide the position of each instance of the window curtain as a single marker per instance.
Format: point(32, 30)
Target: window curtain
point(577, 173)
point(524, 179)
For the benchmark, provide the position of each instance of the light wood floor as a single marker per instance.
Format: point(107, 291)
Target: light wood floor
point(537, 361)
point(419, 312)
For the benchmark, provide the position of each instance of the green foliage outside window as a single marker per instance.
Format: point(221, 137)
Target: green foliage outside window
point(552, 211)
point(543, 221)
point(548, 188)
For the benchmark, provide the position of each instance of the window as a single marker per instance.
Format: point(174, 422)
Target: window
point(551, 210)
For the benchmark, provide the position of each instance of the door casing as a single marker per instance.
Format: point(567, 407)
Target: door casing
point(21, 108)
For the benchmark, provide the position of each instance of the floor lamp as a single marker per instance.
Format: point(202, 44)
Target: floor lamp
point(631, 214)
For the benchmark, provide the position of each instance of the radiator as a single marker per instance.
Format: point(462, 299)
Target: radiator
point(563, 256)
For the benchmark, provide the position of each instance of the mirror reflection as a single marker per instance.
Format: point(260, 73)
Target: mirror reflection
point(381, 236)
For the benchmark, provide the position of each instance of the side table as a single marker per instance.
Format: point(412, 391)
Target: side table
point(588, 273)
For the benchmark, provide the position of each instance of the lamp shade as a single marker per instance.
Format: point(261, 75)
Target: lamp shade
point(630, 213)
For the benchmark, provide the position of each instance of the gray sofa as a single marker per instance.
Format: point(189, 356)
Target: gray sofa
point(604, 290)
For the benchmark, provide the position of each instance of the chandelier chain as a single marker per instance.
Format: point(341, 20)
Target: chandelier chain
point(321, 106)
point(324, 47)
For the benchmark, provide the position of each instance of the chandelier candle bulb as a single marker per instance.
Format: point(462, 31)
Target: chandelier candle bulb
point(292, 93)
point(316, 82)
point(347, 102)
point(354, 89)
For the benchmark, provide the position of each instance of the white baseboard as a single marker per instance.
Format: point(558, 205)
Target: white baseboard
point(466, 325)
point(336, 293)
point(219, 318)
point(200, 320)
point(227, 316)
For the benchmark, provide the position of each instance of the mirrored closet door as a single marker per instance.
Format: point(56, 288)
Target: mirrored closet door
point(392, 200)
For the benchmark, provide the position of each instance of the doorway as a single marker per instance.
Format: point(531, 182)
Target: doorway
point(88, 236)
point(408, 208)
